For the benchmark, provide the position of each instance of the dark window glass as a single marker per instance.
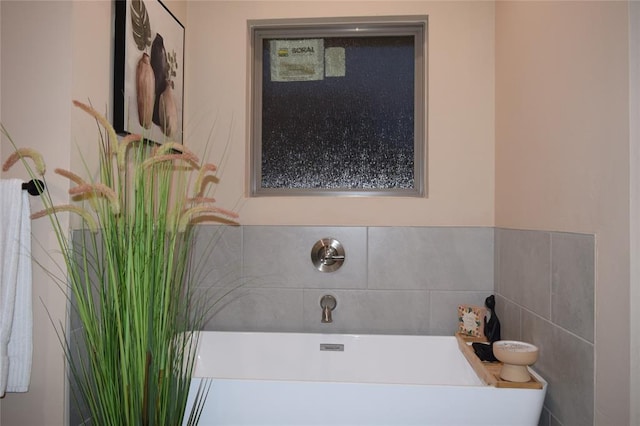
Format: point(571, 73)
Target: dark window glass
point(338, 114)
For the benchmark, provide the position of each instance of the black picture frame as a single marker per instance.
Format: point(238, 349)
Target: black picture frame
point(148, 28)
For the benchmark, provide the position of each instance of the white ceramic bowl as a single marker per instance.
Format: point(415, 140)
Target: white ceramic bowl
point(515, 356)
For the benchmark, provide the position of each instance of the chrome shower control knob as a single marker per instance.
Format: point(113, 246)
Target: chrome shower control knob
point(330, 256)
point(327, 255)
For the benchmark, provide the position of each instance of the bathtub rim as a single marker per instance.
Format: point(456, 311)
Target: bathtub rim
point(355, 336)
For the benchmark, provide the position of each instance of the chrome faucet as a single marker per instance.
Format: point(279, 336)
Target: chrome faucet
point(328, 303)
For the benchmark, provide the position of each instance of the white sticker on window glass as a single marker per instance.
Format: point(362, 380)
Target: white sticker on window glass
point(334, 58)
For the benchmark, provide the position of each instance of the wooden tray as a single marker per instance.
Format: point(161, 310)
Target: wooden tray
point(489, 372)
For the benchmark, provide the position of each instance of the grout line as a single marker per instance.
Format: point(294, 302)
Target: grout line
point(548, 321)
point(551, 316)
point(366, 256)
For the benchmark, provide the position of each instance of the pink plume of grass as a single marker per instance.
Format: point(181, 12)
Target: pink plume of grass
point(68, 208)
point(113, 137)
point(20, 153)
point(201, 200)
point(71, 176)
point(100, 189)
point(191, 213)
point(169, 147)
point(121, 153)
point(206, 168)
point(189, 158)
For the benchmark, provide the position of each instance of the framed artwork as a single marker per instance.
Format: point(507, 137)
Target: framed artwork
point(148, 71)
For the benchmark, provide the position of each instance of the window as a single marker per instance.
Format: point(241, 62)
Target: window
point(338, 107)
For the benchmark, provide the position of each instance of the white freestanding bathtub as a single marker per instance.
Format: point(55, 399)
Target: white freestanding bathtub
point(336, 379)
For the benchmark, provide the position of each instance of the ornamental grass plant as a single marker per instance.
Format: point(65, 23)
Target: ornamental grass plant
point(129, 277)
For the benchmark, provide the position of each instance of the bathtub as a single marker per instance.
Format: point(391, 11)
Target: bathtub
point(336, 379)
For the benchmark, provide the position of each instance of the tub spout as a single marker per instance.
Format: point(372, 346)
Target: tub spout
point(328, 303)
point(326, 315)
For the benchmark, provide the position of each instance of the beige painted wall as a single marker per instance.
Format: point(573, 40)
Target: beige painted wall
point(634, 252)
point(66, 54)
point(562, 153)
point(36, 86)
point(461, 113)
point(36, 107)
point(561, 135)
point(179, 9)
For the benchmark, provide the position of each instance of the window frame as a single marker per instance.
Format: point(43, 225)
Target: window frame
point(260, 30)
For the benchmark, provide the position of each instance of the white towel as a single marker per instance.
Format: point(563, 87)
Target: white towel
point(16, 317)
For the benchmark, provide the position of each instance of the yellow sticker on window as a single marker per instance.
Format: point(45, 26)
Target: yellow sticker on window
point(297, 60)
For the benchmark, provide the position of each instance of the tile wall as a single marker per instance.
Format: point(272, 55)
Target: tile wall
point(396, 280)
point(545, 295)
point(409, 280)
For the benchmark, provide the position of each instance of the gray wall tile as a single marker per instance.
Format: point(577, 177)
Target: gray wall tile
point(370, 312)
point(497, 234)
point(554, 421)
point(88, 245)
point(458, 262)
point(525, 269)
point(509, 315)
point(217, 256)
point(258, 309)
point(443, 309)
point(78, 409)
point(545, 285)
point(572, 283)
point(409, 280)
point(280, 256)
point(431, 258)
point(567, 363)
point(545, 418)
